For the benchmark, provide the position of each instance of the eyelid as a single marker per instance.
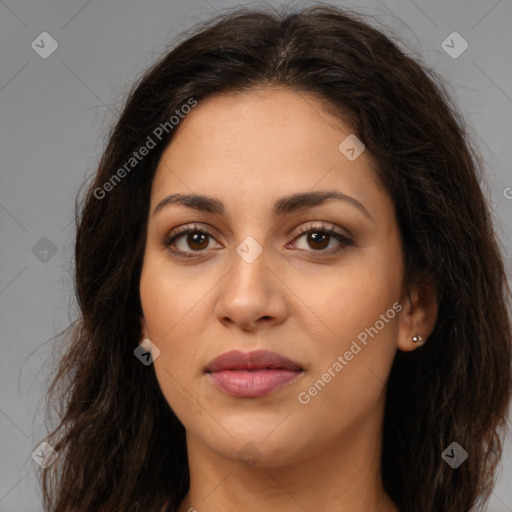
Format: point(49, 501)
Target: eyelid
point(169, 238)
point(322, 226)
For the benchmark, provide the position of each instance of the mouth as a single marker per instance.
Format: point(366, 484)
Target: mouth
point(253, 374)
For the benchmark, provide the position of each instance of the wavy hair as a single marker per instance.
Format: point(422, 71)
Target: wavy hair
point(120, 446)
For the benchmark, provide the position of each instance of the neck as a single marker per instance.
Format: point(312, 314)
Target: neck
point(339, 476)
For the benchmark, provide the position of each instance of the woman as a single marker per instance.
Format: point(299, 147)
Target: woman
point(292, 296)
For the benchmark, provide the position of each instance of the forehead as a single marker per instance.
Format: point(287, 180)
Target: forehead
point(260, 144)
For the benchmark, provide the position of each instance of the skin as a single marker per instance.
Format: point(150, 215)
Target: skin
point(247, 150)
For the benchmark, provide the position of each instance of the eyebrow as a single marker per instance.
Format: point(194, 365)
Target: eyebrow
point(282, 206)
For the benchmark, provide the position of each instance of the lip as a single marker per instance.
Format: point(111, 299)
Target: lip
point(251, 374)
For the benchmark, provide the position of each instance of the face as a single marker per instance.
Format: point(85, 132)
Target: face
point(319, 282)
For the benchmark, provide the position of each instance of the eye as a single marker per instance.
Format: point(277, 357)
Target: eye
point(319, 237)
point(195, 238)
point(187, 240)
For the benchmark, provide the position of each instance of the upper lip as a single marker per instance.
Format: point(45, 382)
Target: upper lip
point(255, 360)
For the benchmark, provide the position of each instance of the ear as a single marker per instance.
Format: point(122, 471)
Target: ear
point(418, 315)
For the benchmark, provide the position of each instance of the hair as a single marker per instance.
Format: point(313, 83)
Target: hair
point(120, 445)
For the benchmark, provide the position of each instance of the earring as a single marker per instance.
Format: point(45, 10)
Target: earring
point(417, 339)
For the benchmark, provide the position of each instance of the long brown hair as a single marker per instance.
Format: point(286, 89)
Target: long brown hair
point(120, 446)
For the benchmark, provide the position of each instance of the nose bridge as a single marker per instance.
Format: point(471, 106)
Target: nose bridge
point(250, 291)
point(252, 231)
point(250, 270)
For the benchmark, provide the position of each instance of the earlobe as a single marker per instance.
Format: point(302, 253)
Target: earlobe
point(418, 316)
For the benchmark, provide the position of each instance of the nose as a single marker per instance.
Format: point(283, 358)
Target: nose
point(251, 295)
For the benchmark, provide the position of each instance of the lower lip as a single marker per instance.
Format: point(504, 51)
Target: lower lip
point(252, 384)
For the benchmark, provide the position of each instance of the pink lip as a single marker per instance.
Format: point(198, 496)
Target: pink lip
point(252, 374)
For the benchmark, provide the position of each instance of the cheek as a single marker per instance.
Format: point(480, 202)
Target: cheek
point(353, 359)
point(356, 320)
point(169, 298)
point(170, 329)
point(169, 315)
point(176, 306)
point(352, 297)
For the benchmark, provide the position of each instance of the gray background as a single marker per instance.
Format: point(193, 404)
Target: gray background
point(54, 114)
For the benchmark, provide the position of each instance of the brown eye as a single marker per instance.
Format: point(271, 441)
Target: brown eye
point(197, 240)
point(192, 241)
point(317, 240)
point(187, 241)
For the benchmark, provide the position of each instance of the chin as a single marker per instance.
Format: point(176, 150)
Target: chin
point(255, 447)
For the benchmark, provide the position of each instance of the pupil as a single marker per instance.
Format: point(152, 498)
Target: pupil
point(315, 236)
point(193, 237)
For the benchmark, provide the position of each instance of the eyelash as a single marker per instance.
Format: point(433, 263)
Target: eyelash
point(322, 228)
